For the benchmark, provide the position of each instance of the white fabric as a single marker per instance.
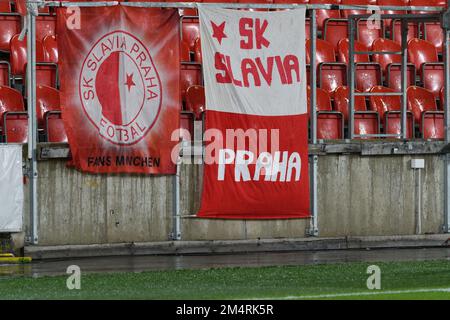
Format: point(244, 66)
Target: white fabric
point(286, 34)
point(11, 188)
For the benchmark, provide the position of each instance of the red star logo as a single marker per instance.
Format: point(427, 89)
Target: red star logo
point(130, 82)
point(219, 31)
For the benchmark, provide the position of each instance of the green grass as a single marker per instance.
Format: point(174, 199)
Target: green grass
point(241, 283)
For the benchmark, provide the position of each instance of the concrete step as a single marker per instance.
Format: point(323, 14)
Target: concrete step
point(236, 246)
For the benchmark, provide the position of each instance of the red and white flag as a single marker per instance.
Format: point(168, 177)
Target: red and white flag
point(120, 82)
point(256, 158)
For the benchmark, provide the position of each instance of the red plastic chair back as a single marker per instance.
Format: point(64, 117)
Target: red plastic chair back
point(51, 48)
point(45, 26)
point(55, 128)
point(198, 51)
point(420, 100)
point(343, 51)
point(190, 31)
point(47, 99)
point(190, 75)
point(4, 74)
point(382, 104)
point(9, 26)
point(195, 100)
point(334, 31)
point(19, 55)
point(11, 100)
point(433, 78)
point(323, 14)
point(16, 128)
point(420, 51)
point(341, 102)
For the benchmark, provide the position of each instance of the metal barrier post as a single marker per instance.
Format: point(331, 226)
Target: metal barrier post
point(314, 228)
point(351, 77)
point(32, 121)
point(447, 131)
point(404, 33)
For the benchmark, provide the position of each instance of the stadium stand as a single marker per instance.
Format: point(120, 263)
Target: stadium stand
point(374, 72)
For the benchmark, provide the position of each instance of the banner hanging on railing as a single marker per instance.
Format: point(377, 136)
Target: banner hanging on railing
point(120, 97)
point(256, 163)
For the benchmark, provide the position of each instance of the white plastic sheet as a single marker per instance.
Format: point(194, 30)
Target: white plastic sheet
point(11, 188)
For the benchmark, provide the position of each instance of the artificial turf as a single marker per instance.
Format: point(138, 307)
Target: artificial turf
point(243, 283)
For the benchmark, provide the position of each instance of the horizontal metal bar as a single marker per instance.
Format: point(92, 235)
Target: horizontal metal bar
point(378, 135)
point(380, 94)
point(377, 52)
point(236, 5)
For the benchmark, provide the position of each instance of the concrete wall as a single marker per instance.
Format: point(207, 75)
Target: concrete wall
point(357, 196)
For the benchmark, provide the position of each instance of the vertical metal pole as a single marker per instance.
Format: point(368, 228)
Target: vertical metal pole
point(176, 233)
point(351, 79)
point(32, 123)
point(314, 228)
point(404, 27)
point(447, 131)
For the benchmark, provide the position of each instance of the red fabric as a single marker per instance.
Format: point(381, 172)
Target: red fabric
point(260, 199)
point(120, 88)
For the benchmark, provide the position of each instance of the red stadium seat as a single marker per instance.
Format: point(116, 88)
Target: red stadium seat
point(13, 118)
point(190, 31)
point(433, 77)
point(187, 125)
point(421, 52)
point(47, 99)
point(334, 30)
point(391, 63)
point(185, 52)
point(396, 33)
point(423, 105)
point(195, 100)
point(198, 51)
point(442, 97)
point(396, 3)
point(9, 26)
point(323, 14)
point(367, 32)
point(54, 127)
point(15, 127)
point(11, 100)
point(330, 74)
point(45, 26)
point(368, 74)
point(330, 124)
point(341, 102)
point(50, 48)
point(307, 28)
point(19, 55)
point(389, 109)
point(433, 33)
point(190, 74)
point(366, 123)
point(4, 73)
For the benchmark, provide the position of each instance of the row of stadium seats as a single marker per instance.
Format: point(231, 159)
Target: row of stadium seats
point(14, 118)
point(372, 71)
point(377, 114)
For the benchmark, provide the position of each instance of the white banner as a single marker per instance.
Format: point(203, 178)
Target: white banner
point(11, 188)
point(254, 62)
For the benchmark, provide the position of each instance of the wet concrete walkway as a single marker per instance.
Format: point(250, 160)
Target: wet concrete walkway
point(149, 263)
